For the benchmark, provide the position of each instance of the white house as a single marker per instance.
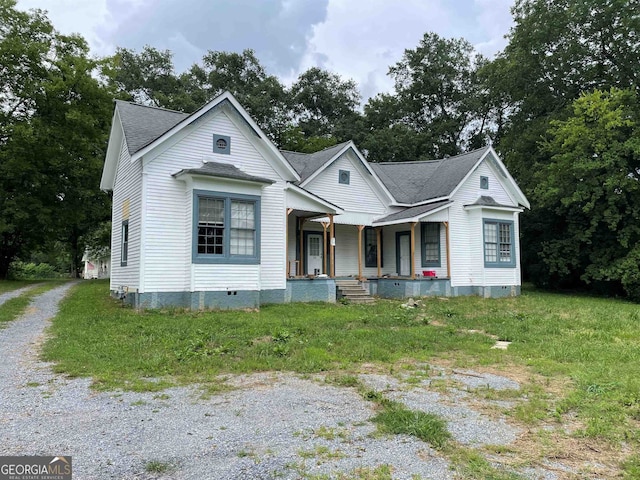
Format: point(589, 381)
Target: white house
point(207, 212)
point(95, 266)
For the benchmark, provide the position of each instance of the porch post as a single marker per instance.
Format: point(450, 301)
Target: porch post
point(360, 228)
point(379, 252)
point(332, 247)
point(325, 225)
point(446, 231)
point(286, 240)
point(413, 250)
point(300, 265)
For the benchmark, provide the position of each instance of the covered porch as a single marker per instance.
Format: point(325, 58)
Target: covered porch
point(407, 245)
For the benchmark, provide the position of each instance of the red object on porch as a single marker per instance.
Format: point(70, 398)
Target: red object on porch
point(429, 273)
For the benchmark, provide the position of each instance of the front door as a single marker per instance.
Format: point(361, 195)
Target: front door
point(314, 253)
point(403, 246)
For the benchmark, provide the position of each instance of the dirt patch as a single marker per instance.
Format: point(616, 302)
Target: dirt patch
point(569, 458)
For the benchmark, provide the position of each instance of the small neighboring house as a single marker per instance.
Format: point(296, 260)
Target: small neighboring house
point(207, 212)
point(96, 266)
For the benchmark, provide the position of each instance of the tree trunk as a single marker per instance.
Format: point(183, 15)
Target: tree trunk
point(4, 266)
point(76, 255)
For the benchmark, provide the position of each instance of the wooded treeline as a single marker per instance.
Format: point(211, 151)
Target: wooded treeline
point(560, 105)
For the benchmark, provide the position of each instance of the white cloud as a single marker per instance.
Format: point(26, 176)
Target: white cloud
point(86, 17)
point(362, 39)
point(494, 19)
point(358, 39)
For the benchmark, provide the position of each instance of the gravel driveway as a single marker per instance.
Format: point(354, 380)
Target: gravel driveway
point(270, 426)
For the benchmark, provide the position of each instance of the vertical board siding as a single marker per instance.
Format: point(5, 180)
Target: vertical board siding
point(358, 196)
point(466, 232)
point(127, 187)
point(169, 215)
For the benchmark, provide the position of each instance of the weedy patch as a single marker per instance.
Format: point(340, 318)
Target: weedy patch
point(397, 419)
point(380, 472)
point(321, 453)
point(156, 466)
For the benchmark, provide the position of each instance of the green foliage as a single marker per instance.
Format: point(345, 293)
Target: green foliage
point(557, 51)
point(55, 119)
point(323, 104)
point(438, 108)
point(147, 77)
point(32, 271)
point(293, 139)
point(592, 183)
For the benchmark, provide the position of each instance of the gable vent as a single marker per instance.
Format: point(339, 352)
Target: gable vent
point(221, 144)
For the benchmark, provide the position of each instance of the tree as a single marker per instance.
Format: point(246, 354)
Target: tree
point(24, 45)
point(325, 105)
point(147, 77)
point(54, 130)
point(261, 94)
point(557, 50)
point(592, 185)
point(437, 108)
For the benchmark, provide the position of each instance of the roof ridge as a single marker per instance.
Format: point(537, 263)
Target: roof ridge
point(436, 159)
point(314, 153)
point(407, 162)
point(151, 106)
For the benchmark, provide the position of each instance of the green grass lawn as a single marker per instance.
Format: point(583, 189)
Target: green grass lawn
point(580, 355)
point(9, 285)
point(14, 307)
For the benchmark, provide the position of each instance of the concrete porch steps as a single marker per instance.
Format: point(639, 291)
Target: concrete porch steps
point(353, 291)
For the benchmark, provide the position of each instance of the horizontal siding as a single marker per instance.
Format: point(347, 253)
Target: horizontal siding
point(169, 214)
point(467, 248)
point(358, 196)
point(127, 189)
point(225, 277)
point(346, 251)
point(496, 189)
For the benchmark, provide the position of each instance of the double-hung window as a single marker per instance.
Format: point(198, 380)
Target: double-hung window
point(430, 235)
point(226, 228)
point(499, 244)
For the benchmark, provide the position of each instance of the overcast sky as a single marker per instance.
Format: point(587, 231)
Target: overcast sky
point(357, 39)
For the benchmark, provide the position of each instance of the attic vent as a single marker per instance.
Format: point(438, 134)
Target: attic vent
point(221, 144)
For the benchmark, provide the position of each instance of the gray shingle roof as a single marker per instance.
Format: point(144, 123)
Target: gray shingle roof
point(307, 163)
point(143, 124)
point(412, 212)
point(413, 182)
point(223, 170)
point(486, 201)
